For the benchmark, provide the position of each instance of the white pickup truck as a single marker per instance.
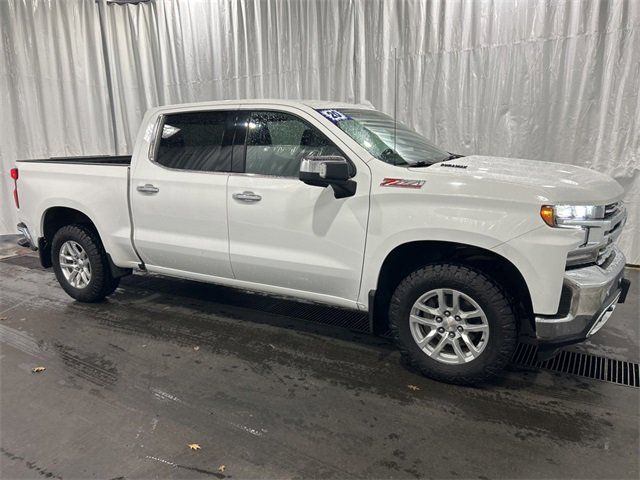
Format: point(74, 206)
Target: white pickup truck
point(338, 204)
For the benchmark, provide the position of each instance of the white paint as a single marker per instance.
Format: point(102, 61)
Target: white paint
point(161, 460)
point(165, 396)
point(253, 431)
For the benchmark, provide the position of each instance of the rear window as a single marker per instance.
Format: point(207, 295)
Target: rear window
point(200, 141)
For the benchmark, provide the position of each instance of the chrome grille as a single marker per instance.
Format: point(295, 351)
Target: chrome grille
point(601, 237)
point(611, 209)
point(605, 254)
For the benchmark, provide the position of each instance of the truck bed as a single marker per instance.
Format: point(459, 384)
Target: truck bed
point(119, 160)
point(96, 186)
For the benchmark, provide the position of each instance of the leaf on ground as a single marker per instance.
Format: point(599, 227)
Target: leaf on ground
point(413, 387)
point(222, 468)
point(2, 318)
point(194, 446)
point(196, 348)
point(38, 369)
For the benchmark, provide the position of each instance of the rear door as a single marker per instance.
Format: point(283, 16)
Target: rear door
point(284, 233)
point(178, 195)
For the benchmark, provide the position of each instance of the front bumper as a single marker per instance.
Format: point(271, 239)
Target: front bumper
point(589, 296)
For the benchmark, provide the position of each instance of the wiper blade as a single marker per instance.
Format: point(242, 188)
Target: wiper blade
point(452, 156)
point(425, 163)
point(421, 163)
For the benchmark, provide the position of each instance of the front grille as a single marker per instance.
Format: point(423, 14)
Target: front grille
point(611, 209)
point(605, 257)
point(601, 236)
point(581, 364)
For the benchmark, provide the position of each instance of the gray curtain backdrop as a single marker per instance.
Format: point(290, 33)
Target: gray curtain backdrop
point(548, 80)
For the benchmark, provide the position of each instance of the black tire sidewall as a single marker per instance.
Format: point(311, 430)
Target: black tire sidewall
point(88, 240)
point(493, 301)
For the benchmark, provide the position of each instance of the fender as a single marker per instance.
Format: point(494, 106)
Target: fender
point(118, 252)
point(374, 258)
point(541, 256)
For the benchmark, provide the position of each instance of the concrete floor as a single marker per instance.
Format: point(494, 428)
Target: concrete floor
point(164, 363)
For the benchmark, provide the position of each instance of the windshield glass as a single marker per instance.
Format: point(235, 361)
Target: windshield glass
point(375, 132)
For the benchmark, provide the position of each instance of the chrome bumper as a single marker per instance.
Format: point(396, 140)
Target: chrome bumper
point(590, 295)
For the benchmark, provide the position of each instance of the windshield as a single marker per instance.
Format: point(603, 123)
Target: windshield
point(375, 132)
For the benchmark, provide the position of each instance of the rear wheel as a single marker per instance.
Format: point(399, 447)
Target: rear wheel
point(81, 265)
point(453, 323)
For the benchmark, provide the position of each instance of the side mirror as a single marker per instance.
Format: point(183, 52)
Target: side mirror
point(322, 171)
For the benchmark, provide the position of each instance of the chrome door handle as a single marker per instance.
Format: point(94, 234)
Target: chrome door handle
point(247, 197)
point(148, 188)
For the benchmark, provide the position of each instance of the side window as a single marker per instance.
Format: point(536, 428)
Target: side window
point(199, 141)
point(277, 142)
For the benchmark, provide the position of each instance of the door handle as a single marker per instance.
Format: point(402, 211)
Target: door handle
point(247, 196)
point(148, 188)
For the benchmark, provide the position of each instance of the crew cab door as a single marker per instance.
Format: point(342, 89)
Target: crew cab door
point(284, 233)
point(178, 194)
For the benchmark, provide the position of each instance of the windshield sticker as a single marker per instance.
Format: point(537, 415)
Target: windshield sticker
point(402, 183)
point(334, 115)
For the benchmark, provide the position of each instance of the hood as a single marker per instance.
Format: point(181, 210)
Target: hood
point(555, 182)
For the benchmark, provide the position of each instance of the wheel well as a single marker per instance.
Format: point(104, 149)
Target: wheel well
point(53, 220)
point(408, 257)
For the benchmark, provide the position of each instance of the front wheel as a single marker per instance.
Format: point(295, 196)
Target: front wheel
point(80, 264)
point(453, 323)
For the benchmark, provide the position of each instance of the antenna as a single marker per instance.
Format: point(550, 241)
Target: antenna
point(395, 97)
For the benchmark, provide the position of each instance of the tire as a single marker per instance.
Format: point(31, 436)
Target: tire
point(101, 283)
point(486, 319)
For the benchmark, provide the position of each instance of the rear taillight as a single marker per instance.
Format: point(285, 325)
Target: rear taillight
point(15, 175)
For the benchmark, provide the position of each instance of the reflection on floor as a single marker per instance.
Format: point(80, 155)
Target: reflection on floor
point(164, 363)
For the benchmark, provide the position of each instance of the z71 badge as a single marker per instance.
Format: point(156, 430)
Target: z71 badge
point(402, 183)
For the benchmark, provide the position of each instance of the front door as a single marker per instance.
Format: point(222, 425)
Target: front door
point(284, 233)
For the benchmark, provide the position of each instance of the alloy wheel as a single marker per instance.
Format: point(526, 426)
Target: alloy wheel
point(75, 264)
point(449, 326)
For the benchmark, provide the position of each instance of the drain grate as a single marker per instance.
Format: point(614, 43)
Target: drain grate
point(581, 364)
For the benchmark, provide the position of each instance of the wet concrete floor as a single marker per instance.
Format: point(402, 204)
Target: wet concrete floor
point(164, 363)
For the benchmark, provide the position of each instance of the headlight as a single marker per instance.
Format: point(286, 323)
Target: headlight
point(571, 215)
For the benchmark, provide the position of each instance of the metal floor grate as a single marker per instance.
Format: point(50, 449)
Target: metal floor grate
point(581, 364)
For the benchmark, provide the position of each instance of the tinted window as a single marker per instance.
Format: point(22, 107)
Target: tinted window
point(277, 142)
point(197, 141)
